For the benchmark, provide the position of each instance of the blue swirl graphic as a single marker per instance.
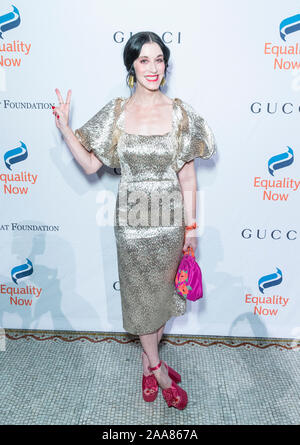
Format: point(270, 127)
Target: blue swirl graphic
point(21, 271)
point(10, 20)
point(15, 155)
point(270, 280)
point(280, 161)
point(289, 25)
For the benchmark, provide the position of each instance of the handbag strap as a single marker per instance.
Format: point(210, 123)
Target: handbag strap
point(190, 251)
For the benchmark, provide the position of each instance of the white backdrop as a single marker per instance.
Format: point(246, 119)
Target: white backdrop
point(225, 62)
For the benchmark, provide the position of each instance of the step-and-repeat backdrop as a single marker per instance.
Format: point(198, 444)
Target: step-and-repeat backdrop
point(237, 63)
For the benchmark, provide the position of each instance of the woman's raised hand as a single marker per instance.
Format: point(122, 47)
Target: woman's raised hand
point(61, 112)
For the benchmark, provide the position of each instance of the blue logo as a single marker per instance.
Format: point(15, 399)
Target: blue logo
point(289, 25)
point(15, 155)
point(270, 280)
point(21, 271)
point(280, 161)
point(9, 21)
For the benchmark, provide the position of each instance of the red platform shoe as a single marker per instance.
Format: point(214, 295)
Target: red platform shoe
point(174, 395)
point(149, 387)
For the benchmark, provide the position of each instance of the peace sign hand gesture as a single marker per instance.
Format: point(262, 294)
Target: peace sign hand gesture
point(62, 111)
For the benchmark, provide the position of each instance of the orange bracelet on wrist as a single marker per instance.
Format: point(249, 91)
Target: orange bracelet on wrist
point(191, 227)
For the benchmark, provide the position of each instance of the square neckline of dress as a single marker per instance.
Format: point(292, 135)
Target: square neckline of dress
point(121, 121)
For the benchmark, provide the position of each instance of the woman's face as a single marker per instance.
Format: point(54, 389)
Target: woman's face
point(150, 66)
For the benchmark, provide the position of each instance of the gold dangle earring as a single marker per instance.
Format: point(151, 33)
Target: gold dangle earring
point(131, 81)
point(163, 81)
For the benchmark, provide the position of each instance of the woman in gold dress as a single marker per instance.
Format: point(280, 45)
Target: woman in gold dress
point(154, 140)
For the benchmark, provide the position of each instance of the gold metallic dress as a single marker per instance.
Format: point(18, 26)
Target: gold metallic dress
point(149, 212)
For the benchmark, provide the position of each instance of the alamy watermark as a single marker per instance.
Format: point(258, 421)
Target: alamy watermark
point(146, 208)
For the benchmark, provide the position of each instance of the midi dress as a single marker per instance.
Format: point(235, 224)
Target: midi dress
point(149, 216)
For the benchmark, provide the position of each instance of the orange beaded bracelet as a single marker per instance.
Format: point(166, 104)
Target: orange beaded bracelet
point(191, 227)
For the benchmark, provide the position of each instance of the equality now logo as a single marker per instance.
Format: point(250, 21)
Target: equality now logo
point(13, 182)
point(20, 296)
point(285, 57)
point(8, 21)
point(289, 25)
point(267, 305)
point(277, 189)
point(270, 280)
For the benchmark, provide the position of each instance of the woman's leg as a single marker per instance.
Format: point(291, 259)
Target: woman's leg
point(145, 358)
point(160, 333)
point(150, 345)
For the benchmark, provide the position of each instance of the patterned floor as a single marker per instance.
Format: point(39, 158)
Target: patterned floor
point(51, 378)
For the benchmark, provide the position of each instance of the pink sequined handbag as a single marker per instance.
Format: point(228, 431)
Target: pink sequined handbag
point(188, 279)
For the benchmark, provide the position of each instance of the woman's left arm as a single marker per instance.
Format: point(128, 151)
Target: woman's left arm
point(188, 183)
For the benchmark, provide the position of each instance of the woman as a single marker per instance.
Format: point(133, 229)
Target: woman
point(154, 140)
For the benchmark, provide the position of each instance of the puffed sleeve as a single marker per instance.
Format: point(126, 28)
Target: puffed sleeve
point(195, 137)
point(100, 134)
